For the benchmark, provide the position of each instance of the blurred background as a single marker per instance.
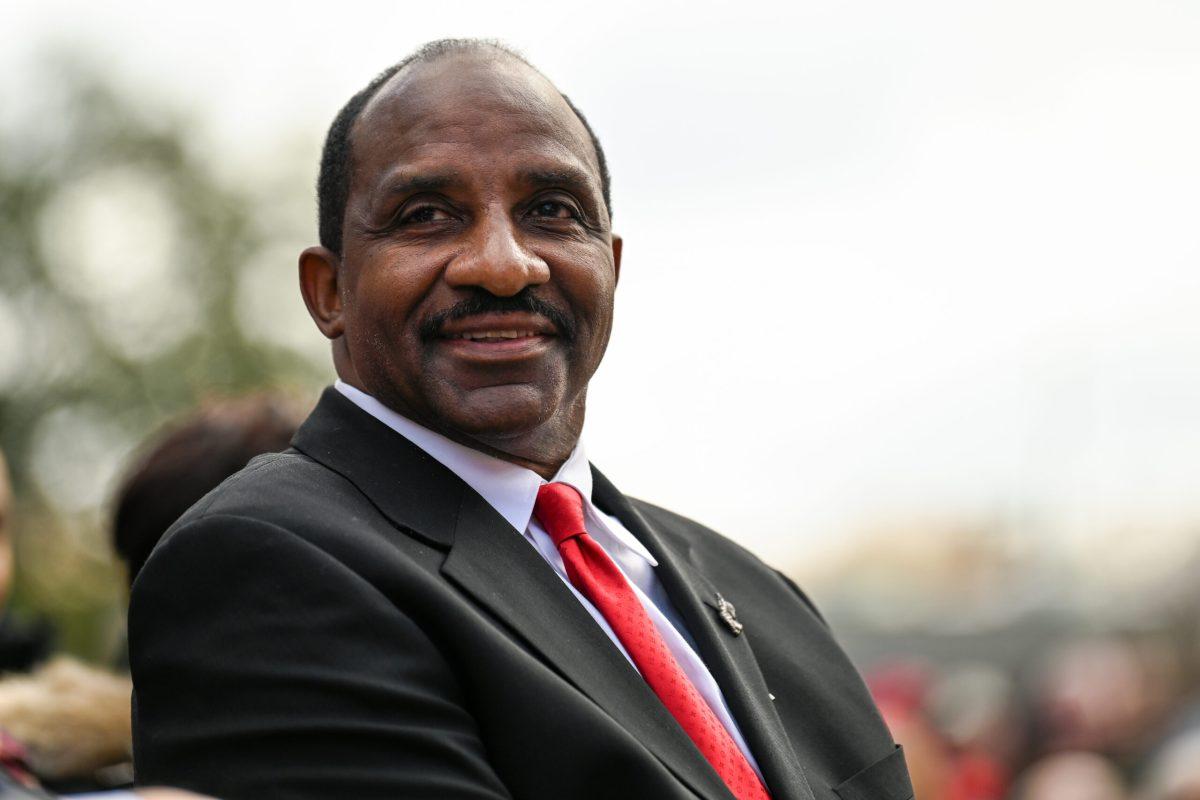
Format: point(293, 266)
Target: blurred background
point(908, 307)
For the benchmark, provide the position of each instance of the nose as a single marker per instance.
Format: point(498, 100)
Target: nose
point(495, 260)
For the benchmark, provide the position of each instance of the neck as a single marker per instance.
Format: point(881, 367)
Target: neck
point(547, 468)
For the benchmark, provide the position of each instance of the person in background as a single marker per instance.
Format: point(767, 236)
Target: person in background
point(23, 645)
point(66, 710)
point(189, 459)
point(1099, 694)
point(1073, 775)
point(68, 722)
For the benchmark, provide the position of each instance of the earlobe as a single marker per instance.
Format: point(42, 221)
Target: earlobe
point(617, 245)
point(319, 269)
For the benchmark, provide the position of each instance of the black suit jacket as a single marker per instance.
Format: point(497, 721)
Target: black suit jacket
point(348, 619)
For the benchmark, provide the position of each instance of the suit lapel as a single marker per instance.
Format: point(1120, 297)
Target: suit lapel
point(729, 658)
point(487, 559)
point(413, 489)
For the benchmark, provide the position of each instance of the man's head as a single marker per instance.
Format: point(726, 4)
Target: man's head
point(470, 283)
point(333, 184)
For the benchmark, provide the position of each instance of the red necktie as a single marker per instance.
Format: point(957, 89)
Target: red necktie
point(559, 509)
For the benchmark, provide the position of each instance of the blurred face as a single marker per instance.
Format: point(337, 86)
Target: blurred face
point(476, 282)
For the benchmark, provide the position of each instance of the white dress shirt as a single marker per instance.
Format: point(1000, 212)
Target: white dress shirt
point(512, 491)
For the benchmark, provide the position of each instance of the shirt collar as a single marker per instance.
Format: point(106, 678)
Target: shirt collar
point(508, 488)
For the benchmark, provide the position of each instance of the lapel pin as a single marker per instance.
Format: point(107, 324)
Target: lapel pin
point(729, 615)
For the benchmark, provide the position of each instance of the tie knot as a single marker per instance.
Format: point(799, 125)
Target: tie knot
point(559, 509)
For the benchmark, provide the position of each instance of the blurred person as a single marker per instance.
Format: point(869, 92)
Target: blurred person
point(73, 719)
point(1071, 776)
point(433, 594)
point(61, 720)
point(1098, 694)
point(900, 687)
point(22, 645)
point(190, 458)
point(978, 708)
point(954, 726)
point(65, 719)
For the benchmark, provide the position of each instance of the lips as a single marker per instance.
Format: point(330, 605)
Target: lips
point(498, 327)
point(498, 336)
point(493, 336)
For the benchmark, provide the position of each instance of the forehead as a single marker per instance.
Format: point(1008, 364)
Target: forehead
point(463, 104)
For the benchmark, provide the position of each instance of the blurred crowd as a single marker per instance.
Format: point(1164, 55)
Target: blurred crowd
point(1094, 718)
point(1101, 717)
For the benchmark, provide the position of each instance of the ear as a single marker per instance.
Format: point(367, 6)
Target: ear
point(319, 268)
point(617, 245)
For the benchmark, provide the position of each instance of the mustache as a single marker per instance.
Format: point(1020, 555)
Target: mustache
point(483, 302)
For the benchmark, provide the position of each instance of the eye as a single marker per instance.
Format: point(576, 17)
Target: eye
point(553, 209)
point(422, 215)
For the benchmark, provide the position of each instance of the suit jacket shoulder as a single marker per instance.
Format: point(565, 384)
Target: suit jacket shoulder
point(712, 547)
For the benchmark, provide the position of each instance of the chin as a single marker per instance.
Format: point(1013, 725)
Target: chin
point(501, 412)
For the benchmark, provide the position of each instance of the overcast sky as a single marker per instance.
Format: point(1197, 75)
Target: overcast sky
point(882, 259)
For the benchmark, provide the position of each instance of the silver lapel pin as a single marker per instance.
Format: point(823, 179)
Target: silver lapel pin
point(729, 615)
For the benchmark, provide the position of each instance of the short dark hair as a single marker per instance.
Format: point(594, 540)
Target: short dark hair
point(333, 182)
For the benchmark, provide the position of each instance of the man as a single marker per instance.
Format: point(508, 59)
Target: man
point(432, 595)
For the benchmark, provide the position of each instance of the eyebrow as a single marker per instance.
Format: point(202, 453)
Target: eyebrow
point(415, 183)
point(569, 177)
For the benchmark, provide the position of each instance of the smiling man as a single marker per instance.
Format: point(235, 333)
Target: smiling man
point(433, 594)
point(467, 279)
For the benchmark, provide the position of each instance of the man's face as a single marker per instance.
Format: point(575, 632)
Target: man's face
point(478, 268)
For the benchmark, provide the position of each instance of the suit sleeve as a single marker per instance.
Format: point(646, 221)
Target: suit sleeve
point(265, 668)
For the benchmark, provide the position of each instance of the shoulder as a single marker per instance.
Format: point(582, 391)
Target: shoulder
point(284, 511)
point(271, 486)
point(718, 554)
point(264, 537)
point(288, 492)
point(698, 537)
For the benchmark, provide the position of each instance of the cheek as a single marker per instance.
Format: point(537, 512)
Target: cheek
point(587, 281)
point(387, 298)
point(595, 301)
point(592, 305)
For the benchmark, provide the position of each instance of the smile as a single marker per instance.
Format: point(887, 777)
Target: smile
point(493, 336)
point(496, 348)
point(492, 327)
point(495, 339)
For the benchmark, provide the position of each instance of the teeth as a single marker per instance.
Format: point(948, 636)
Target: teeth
point(495, 335)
